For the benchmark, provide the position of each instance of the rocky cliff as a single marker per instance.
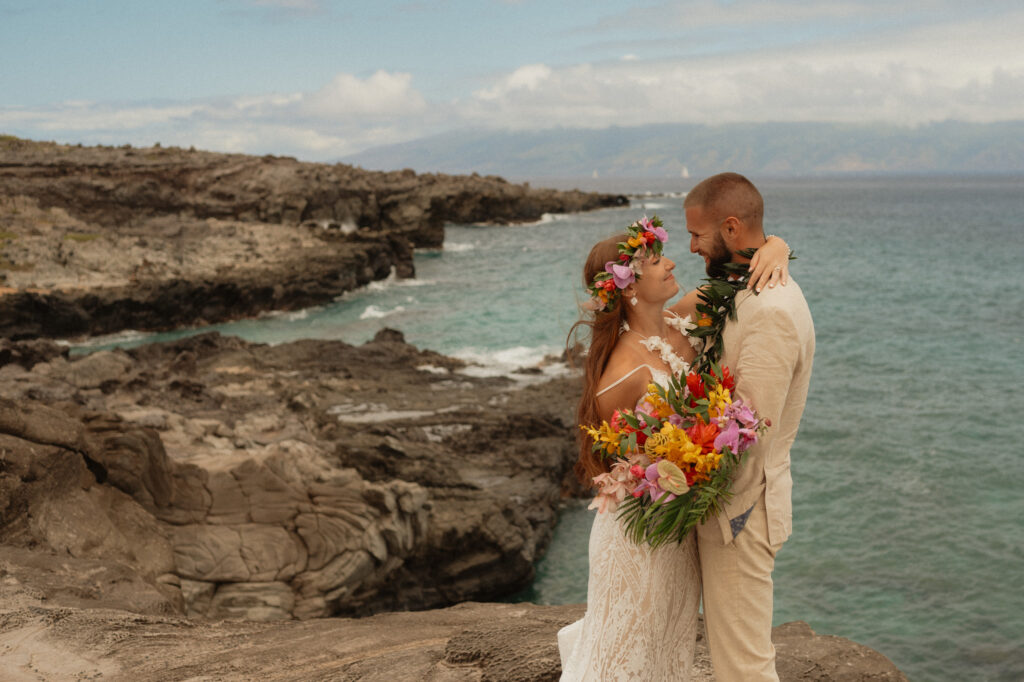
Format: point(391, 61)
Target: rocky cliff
point(302, 480)
point(95, 239)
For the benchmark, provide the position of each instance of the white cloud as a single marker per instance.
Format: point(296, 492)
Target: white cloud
point(346, 115)
point(970, 70)
point(382, 93)
point(528, 78)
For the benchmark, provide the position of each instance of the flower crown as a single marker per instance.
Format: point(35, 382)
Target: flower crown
point(646, 237)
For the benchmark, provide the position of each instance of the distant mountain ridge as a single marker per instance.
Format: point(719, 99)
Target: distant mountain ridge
point(678, 150)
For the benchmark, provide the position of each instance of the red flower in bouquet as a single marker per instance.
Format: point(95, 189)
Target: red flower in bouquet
point(696, 386)
point(620, 424)
point(726, 379)
point(674, 454)
point(703, 435)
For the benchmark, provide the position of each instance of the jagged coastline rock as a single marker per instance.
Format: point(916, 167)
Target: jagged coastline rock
point(205, 237)
point(308, 479)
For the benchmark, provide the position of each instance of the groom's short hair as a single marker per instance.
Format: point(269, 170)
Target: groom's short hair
point(728, 194)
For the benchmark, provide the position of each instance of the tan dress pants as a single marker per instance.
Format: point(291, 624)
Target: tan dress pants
point(738, 599)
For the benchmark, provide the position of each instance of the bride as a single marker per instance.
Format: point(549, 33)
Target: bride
point(641, 619)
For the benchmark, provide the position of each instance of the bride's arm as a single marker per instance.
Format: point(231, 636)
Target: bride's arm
point(770, 265)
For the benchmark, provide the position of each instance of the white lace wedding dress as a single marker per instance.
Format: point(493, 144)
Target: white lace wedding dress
point(641, 619)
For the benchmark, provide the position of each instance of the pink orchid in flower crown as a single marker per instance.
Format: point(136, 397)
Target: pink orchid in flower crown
point(623, 275)
point(646, 225)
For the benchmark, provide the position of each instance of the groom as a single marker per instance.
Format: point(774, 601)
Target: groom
point(769, 349)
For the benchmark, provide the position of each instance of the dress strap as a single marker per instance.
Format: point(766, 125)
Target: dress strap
point(624, 377)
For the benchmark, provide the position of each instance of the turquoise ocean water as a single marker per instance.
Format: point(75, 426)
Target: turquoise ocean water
point(909, 466)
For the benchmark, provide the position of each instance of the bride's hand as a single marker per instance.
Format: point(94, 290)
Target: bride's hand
point(770, 265)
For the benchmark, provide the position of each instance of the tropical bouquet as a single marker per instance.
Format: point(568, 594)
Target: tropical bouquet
point(674, 455)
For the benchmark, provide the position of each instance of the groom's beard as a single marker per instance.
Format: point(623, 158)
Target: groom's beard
point(718, 256)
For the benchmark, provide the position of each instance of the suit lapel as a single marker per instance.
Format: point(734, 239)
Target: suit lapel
point(731, 334)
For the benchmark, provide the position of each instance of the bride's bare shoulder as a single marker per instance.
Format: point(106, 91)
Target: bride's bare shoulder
point(623, 381)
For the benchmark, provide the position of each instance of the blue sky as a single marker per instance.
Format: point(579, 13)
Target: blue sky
point(319, 79)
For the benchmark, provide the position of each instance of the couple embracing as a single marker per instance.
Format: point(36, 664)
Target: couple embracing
point(642, 602)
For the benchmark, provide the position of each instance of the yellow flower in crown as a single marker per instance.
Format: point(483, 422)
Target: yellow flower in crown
point(645, 237)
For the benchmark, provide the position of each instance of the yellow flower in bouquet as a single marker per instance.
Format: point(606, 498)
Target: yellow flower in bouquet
point(718, 398)
point(673, 443)
point(605, 437)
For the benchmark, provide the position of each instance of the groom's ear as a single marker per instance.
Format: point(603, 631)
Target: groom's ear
point(731, 228)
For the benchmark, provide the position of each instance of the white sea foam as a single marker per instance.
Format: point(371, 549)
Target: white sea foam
point(291, 315)
point(384, 285)
point(373, 312)
point(510, 362)
point(458, 247)
point(390, 282)
point(393, 280)
point(126, 336)
point(432, 369)
point(547, 218)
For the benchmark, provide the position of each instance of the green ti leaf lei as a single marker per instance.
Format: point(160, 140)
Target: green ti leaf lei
point(716, 306)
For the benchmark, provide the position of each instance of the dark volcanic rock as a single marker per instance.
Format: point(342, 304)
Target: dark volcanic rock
point(29, 353)
point(306, 479)
point(96, 240)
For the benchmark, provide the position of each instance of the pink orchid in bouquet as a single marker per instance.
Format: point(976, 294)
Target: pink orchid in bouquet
point(673, 455)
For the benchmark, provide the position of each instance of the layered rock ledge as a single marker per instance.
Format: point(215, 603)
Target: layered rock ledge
point(308, 479)
point(472, 641)
point(96, 240)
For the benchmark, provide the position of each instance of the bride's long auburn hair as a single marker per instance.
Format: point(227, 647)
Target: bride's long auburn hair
point(604, 334)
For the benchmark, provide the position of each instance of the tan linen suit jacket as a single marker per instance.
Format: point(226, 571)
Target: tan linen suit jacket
point(769, 348)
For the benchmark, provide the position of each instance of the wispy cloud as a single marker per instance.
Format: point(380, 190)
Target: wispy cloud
point(971, 69)
point(346, 115)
